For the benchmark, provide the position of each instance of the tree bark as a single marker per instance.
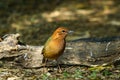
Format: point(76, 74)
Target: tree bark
point(89, 52)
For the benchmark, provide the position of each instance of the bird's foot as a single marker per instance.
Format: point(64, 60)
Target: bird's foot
point(45, 70)
point(59, 70)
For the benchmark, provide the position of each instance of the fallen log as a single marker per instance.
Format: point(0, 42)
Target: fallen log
point(78, 52)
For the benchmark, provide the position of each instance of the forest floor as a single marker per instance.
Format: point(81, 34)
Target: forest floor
point(35, 23)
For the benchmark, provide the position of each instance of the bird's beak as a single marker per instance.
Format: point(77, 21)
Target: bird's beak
point(70, 32)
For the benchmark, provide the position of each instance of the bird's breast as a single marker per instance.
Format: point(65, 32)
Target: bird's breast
point(54, 49)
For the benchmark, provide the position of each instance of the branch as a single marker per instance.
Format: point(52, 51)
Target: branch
point(79, 52)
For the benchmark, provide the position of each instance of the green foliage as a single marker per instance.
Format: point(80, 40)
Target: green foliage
point(78, 74)
point(106, 73)
point(93, 75)
point(66, 74)
point(45, 76)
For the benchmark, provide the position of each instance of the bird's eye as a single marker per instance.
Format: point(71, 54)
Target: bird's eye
point(63, 30)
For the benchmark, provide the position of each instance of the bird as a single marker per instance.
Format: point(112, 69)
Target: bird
point(55, 45)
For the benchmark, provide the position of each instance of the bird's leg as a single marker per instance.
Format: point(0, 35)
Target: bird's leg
point(58, 66)
point(44, 61)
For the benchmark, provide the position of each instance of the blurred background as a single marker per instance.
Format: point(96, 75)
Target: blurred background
point(35, 20)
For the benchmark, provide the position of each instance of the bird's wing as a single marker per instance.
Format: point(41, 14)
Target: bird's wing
point(43, 50)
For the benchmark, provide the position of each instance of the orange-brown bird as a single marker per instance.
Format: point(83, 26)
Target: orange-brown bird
point(55, 45)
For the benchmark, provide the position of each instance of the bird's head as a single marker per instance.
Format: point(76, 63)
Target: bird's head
point(60, 32)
